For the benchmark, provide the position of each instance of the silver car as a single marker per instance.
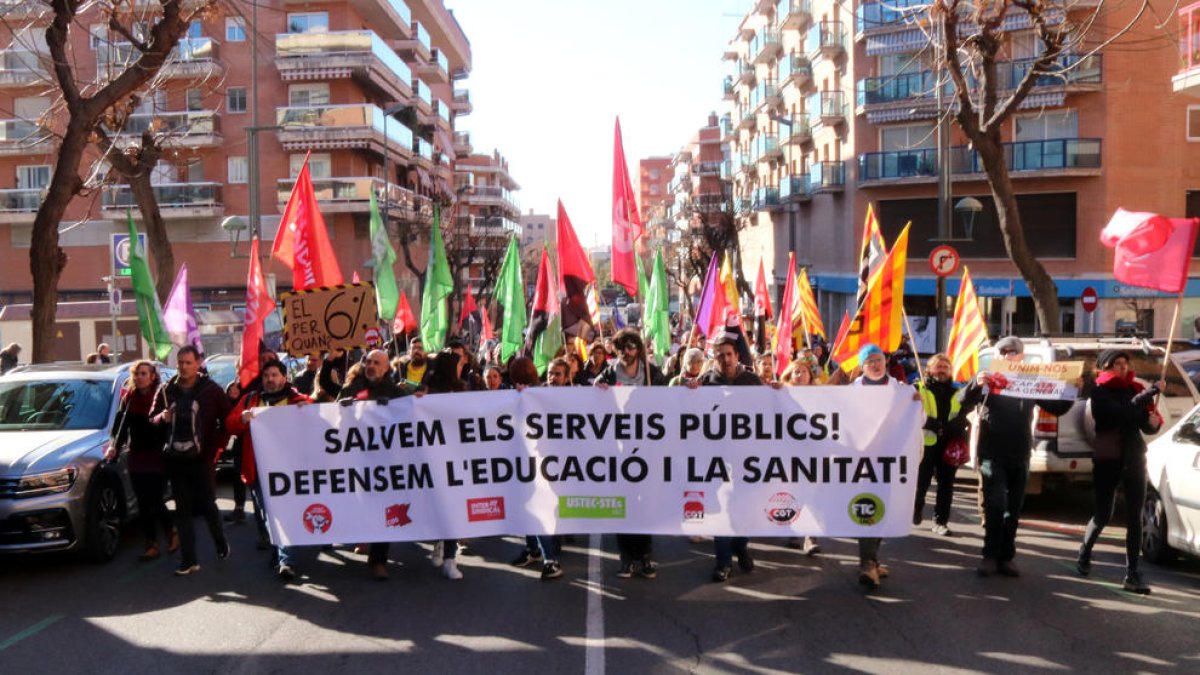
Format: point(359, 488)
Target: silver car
point(56, 491)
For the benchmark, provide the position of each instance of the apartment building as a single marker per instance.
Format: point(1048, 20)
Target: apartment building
point(651, 183)
point(700, 176)
point(537, 229)
point(832, 111)
point(371, 91)
point(487, 214)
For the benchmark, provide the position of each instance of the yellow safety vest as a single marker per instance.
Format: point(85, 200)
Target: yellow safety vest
point(930, 403)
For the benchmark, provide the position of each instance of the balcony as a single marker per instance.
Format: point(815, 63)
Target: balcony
point(766, 148)
point(422, 152)
point(187, 129)
point(491, 195)
point(727, 128)
point(358, 54)
point(827, 108)
point(194, 59)
point(764, 199)
point(417, 46)
point(1187, 80)
point(795, 70)
point(441, 110)
point(793, 13)
point(883, 15)
point(339, 127)
point(727, 170)
point(797, 130)
point(827, 176)
point(20, 205)
point(728, 89)
point(1069, 71)
point(461, 103)
point(436, 70)
point(708, 168)
point(21, 68)
point(746, 72)
point(795, 189)
point(422, 98)
point(747, 120)
point(175, 200)
point(343, 195)
point(22, 137)
point(765, 94)
point(1073, 157)
point(826, 39)
point(24, 10)
point(390, 18)
point(766, 45)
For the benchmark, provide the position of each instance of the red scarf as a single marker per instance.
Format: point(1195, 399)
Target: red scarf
point(1112, 381)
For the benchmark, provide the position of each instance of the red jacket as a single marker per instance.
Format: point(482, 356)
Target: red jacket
point(236, 427)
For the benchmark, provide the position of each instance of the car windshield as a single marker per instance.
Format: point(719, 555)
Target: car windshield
point(222, 371)
point(42, 405)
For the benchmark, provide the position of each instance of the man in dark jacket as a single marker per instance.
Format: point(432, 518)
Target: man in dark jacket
point(1005, 443)
point(193, 408)
point(374, 383)
point(306, 382)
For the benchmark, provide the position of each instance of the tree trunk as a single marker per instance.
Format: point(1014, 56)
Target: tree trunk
point(1041, 287)
point(156, 233)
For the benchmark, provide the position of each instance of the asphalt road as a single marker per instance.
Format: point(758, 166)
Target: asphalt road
point(792, 614)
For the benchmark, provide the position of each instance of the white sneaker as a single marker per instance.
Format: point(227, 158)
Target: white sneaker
point(450, 569)
point(437, 556)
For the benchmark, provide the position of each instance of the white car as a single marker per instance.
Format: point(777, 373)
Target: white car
point(1171, 515)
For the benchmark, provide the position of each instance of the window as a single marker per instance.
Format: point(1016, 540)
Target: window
point(895, 64)
point(319, 165)
point(195, 171)
point(235, 99)
point(1193, 123)
point(308, 94)
point(308, 22)
point(195, 30)
point(1047, 125)
point(235, 29)
point(33, 177)
point(97, 35)
point(906, 137)
point(195, 99)
point(1025, 45)
point(239, 171)
point(30, 107)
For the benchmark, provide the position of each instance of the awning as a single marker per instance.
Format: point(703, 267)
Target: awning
point(901, 114)
point(423, 179)
point(445, 188)
point(894, 43)
point(1046, 100)
point(446, 143)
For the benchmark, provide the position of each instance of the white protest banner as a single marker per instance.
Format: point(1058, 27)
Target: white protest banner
point(1047, 381)
point(753, 461)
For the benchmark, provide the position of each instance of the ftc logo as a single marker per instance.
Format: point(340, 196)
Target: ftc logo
point(318, 519)
point(866, 509)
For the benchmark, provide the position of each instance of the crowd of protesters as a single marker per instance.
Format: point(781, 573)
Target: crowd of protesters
point(174, 430)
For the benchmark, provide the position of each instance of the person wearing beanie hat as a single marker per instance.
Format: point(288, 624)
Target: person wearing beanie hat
point(1123, 410)
point(1003, 450)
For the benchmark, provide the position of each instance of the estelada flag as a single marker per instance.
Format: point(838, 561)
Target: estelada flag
point(469, 308)
point(879, 320)
point(545, 321)
point(626, 223)
point(406, 321)
point(303, 242)
point(574, 275)
point(1151, 251)
point(873, 251)
point(258, 306)
point(968, 334)
point(807, 317)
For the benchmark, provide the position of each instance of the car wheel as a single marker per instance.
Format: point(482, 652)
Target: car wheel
point(1154, 530)
point(103, 528)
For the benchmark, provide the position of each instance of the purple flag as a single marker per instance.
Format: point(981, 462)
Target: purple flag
point(178, 315)
point(704, 310)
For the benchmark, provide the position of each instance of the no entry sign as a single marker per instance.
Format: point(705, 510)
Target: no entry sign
point(1089, 299)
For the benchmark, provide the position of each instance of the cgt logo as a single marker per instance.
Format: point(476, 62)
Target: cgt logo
point(318, 519)
point(485, 508)
point(693, 506)
point(782, 508)
point(396, 515)
point(866, 509)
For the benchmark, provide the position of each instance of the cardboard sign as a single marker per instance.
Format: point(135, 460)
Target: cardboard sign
point(1036, 380)
point(337, 317)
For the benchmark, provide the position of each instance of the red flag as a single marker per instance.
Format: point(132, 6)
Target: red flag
point(574, 275)
point(258, 306)
point(1152, 251)
point(762, 299)
point(783, 332)
point(303, 242)
point(469, 307)
point(486, 333)
point(627, 224)
point(842, 330)
point(406, 321)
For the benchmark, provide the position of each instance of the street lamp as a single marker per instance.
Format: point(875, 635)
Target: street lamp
point(968, 208)
point(234, 226)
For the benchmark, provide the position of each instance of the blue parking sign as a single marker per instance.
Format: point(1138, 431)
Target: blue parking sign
point(121, 255)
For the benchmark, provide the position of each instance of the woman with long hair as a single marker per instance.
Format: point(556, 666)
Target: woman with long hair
point(142, 443)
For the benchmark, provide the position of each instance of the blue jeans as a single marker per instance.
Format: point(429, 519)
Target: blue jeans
point(1004, 483)
point(284, 555)
point(725, 547)
point(544, 543)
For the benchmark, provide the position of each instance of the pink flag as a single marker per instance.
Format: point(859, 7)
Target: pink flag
point(354, 278)
point(178, 315)
point(1151, 251)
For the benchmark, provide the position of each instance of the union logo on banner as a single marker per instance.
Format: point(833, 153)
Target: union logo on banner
point(396, 515)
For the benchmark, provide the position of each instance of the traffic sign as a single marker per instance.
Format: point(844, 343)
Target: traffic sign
point(114, 302)
point(944, 260)
point(1088, 299)
point(121, 255)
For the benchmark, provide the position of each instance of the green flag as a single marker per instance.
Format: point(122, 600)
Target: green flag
point(548, 343)
point(148, 308)
point(510, 292)
point(387, 296)
point(435, 315)
point(657, 321)
point(643, 286)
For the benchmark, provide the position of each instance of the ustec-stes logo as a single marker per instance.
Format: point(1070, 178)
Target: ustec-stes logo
point(318, 519)
point(693, 506)
point(485, 508)
point(591, 507)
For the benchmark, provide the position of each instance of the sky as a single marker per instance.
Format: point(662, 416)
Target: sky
point(549, 77)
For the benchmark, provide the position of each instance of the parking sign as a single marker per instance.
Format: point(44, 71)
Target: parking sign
point(121, 256)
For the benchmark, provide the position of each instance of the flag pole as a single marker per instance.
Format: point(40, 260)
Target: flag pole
point(1171, 332)
point(913, 341)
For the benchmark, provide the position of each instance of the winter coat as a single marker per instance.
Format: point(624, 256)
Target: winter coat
point(236, 427)
point(213, 407)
